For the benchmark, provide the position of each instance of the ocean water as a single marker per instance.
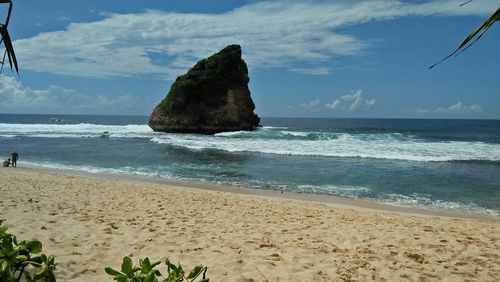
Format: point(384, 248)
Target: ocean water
point(439, 164)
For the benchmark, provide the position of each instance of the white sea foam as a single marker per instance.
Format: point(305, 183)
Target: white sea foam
point(125, 170)
point(377, 146)
point(275, 127)
point(423, 201)
point(295, 133)
point(74, 130)
point(272, 140)
point(337, 190)
point(415, 200)
point(231, 133)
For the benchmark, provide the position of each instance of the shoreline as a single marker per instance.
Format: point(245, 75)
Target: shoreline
point(89, 222)
point(336, 201)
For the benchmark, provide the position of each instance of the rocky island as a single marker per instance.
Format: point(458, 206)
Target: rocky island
point(211, 97)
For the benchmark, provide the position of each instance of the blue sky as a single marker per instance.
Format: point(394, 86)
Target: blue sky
point(306, 58)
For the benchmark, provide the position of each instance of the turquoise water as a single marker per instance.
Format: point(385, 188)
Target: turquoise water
point(443, 164)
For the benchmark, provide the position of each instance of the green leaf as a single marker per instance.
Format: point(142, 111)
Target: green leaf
point(14, 239)
point(146, 265)
point(127, 266)
point(155, 264)
point(51, 277)
point(4, 267)
point(42, 271)
point(34, 246)
point(150, 277)
point(121, 278)
point(111, 271)
point(136, 268)
point(7, 276)
point(7, 245)
point(197, 270)
point(51, 262)
point(157, 272)
point(170, 266)
point(21, 258)
point(39, 258)
point(22, 247)
point(3, 230)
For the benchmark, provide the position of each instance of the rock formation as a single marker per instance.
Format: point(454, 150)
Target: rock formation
point(211, 97)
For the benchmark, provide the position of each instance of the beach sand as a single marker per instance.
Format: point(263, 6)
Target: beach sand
point(89, 222)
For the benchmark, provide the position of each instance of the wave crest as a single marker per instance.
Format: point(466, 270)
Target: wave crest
point(279, 140)
point(391, 146)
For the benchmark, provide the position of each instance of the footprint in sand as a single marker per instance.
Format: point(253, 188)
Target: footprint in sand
point(308, 265)
point(416, 257)
point(274, 257)
point(428, 228)
point(267, 245)
point(140, 247)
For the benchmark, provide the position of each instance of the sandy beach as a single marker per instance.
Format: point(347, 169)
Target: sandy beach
point(89, 222)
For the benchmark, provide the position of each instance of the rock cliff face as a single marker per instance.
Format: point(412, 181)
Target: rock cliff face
point(211, 97)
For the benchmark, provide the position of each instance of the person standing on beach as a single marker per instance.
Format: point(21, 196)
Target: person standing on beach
point(14, 156)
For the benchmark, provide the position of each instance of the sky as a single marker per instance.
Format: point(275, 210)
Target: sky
point(309, 58)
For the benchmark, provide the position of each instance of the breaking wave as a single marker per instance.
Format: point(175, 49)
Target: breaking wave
point(391, 146)
point(281, 141)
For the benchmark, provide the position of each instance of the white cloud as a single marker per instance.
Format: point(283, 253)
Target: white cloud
point(297, 35)
point(311, 105)
point(351, 102)
point(18, 98)
point(347, 103)
point(457, 108)
point(334, 105)
point(312, 70)
point(370, 103)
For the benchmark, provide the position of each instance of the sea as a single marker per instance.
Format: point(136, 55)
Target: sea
point(442, 164)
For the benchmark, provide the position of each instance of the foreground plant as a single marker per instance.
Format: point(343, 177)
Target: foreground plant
point(25, 257)
point(474, 36)
point(147, 272)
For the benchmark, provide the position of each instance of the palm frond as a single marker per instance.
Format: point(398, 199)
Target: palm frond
point(479, 32)
point(465, 3)
point(9, 48)
point(3, 60)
